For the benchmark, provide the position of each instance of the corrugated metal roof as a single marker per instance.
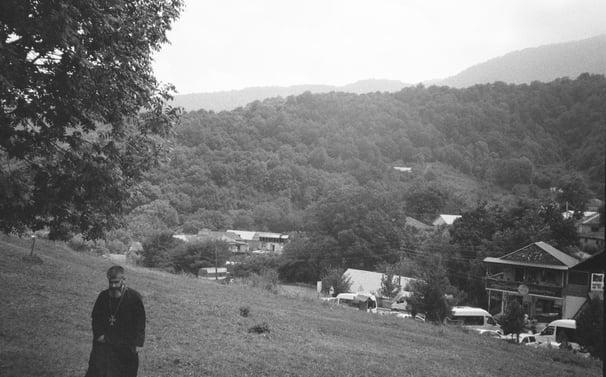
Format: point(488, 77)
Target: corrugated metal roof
point(244, 234)
point(369, 281)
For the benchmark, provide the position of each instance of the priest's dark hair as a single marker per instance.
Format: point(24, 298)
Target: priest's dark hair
point(114, 271)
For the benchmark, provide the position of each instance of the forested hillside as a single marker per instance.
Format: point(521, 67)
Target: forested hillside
point(260, 166)
point(229, 100)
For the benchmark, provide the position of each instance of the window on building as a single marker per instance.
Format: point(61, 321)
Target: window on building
point(597, 282)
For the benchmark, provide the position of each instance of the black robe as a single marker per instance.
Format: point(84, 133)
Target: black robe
point(117, 356)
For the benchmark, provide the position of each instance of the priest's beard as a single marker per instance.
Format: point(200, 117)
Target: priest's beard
point(116, 292)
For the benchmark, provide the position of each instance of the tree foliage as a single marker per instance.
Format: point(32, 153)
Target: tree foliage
point(191, 256)
point(80, 109)
point(590, 327)
point(513, 318)
point(336, 279)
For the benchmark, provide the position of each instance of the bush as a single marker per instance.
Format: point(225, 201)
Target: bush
point(116, 247)
point(244, 311)
point(78, 243)
point(334, 278)
point(254, 264)
point(157, 248)
point(267, 280)
point(590, 325)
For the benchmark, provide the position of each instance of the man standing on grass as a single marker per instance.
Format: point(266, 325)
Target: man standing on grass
point(118, 329)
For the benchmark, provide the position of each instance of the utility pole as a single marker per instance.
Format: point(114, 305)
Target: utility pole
point(216, 263)
point(400, 269)
point(31, 253)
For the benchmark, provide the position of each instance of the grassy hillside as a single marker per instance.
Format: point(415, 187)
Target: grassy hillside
point(195, 329)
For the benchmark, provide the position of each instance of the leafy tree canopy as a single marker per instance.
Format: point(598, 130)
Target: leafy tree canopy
point(80, 109)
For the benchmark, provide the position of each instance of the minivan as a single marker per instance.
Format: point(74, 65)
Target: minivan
point(476, 319)
point(558, 331)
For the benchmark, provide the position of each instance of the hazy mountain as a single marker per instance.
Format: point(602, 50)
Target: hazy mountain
point(229, 100)
point(544, 63)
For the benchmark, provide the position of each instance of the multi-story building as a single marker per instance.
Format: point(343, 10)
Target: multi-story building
point(539, 277)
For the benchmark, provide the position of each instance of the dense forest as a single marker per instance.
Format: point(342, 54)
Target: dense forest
point(261, 166)
point(321, 167)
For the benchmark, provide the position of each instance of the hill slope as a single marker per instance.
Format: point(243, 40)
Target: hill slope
point(194, 329)
point(544, 63)
point(229, 100)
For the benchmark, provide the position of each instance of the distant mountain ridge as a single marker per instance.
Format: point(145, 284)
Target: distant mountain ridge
point(229, 100)
point(544, 63)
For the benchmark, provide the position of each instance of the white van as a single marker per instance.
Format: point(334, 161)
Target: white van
point(471, 318)
point(212, 273)
point(358, 300)
point(558, 331)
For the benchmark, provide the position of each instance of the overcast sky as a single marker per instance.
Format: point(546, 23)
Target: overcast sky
point(232, 44)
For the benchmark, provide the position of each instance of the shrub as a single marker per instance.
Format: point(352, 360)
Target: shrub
point(267, 280)
point(78, 243)
point(335, 278)
point(244, 311)
point(157, 248)
point(254, 264)
point(259, 329)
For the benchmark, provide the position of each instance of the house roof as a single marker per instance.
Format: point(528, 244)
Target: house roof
point(538, 254)
point(570, 213)
point(244, 234)
point(417, 224)
point(247, 235)
point(445, 219)
point(592, 219)
point(593, 263)
point(369, 281)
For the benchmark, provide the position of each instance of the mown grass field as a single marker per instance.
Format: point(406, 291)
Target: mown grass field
point(195, 329)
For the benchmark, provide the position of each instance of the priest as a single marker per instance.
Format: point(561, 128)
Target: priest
point(118, 329)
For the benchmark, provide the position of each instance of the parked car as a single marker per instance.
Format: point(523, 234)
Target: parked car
point(525, 339)
point(498, 334)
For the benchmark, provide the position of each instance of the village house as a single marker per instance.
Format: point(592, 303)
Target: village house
point(589, 276)
point(541, 277)
point(591, 234)
point(234, 242)
point(262, 242)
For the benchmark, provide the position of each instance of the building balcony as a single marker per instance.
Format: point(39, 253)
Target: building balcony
point(540, 289)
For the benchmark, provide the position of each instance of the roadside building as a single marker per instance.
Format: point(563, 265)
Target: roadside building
point(262, 242)
point(538, 276)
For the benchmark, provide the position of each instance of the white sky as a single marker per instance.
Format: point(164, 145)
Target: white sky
point(232, 44)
